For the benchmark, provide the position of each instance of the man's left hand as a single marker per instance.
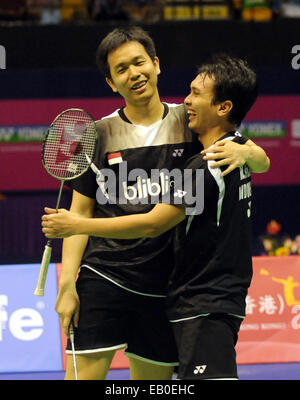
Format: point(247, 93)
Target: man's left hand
point(228, 153)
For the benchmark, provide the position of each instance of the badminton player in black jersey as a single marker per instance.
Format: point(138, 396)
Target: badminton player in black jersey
point(119, 298)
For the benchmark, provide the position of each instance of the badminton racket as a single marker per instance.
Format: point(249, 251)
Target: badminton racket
point(67, 151)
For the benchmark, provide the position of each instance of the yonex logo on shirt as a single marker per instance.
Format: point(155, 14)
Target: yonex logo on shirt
point(180, 193)
point(199, 369)
point(178, 152)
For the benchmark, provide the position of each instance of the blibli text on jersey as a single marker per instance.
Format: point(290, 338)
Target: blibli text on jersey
point(162, 186)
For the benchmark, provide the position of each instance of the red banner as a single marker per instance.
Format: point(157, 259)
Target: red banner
point(273, 123)
point(270, 333)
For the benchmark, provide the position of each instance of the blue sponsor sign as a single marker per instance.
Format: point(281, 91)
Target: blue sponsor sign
point(29, 325)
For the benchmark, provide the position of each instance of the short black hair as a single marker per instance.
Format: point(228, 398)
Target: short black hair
point(233, 80)
point(118, 37)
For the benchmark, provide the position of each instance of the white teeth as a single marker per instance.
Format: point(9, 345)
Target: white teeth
point(138, 85)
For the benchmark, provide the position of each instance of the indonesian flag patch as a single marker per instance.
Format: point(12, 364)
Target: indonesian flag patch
point(114, 158)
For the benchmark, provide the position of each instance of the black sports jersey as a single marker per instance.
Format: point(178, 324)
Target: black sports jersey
point(121, 182)
point(213, 264)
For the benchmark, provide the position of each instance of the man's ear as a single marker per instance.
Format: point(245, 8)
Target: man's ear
point(157, 65)
point(111, 84)
point(224, 108)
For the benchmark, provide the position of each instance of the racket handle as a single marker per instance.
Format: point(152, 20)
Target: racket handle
point(39, 291)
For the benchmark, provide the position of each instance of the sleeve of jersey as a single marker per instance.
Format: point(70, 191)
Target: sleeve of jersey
point(85, 184)
point(187, 187)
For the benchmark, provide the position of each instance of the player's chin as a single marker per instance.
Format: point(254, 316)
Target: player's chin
point(191, 126)
point(146, 92)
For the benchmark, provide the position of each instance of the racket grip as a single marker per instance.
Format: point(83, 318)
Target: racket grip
point(39, 291)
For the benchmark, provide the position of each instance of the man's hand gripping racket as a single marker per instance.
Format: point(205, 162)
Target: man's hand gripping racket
point(68, 149)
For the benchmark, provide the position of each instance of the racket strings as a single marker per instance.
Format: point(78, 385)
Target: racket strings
point(66, 153)
point(69, 144)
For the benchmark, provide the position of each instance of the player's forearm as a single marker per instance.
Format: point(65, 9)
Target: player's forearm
point(160, 219)
point(72, 252)
point(257, 160)
point(125, 227)
point(74, 246)
point(65, 224)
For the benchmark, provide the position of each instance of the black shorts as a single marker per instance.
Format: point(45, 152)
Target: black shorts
point(112, 318)
point(206, 346)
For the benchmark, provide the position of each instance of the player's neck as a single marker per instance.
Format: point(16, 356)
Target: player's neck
point(209, 137)
point(145, 114)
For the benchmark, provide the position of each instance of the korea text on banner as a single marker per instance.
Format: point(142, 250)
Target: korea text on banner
point(29, 327)
point(270, 333)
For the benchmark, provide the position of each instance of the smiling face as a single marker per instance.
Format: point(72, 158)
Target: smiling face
point(133, 73)
point(203, 114)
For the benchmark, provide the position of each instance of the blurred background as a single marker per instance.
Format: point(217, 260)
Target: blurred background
point(47, 64)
